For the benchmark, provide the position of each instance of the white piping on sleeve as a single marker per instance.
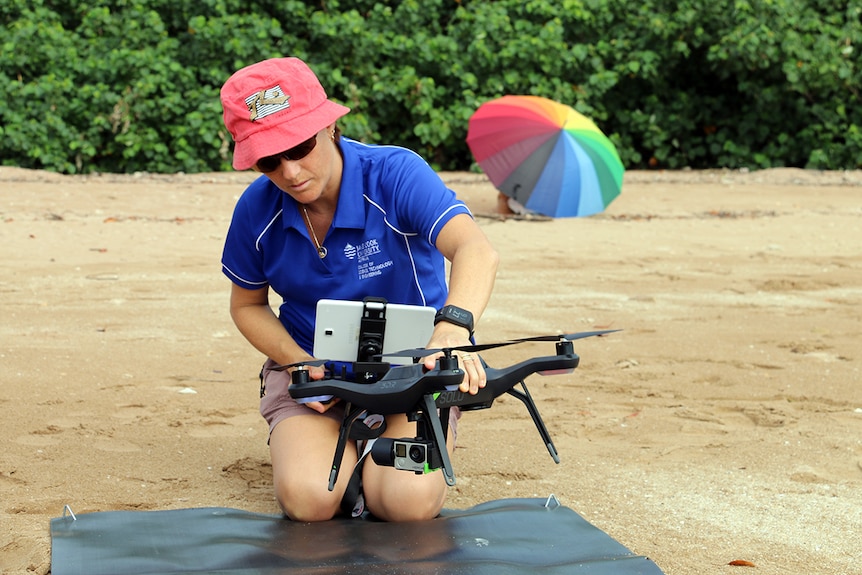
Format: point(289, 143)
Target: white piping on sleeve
point(240, 278)
point(449, 209)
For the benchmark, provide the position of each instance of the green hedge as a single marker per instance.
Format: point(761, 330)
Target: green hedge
point(132, 85)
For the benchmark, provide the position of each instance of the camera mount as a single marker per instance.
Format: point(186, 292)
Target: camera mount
point(372, 330)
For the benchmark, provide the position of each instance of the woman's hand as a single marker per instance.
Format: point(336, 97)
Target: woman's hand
point(448, 335)
point(317, 372)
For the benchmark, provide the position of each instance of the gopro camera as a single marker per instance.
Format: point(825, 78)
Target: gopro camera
point(405, 454)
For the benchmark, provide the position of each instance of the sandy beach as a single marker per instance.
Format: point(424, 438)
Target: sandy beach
point(722, 424)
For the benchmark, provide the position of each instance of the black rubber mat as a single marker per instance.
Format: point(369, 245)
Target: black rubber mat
point(509, 536)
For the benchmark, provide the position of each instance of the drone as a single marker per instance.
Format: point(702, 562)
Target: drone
point(425, 396)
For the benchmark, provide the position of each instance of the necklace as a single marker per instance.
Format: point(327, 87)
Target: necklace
point(321, 250)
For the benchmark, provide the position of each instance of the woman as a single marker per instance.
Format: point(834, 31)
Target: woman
point(334, 218)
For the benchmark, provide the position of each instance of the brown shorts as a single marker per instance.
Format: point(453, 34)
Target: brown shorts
point(277, 404)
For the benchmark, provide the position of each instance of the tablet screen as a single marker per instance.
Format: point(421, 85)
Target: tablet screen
point(338, 322)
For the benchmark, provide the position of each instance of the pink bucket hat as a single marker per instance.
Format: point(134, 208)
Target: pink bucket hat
point(271, 106)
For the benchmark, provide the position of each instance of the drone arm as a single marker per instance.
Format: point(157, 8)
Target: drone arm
point(399, 391)
point(502, 380)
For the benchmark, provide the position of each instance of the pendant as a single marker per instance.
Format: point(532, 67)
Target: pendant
point(321, 251)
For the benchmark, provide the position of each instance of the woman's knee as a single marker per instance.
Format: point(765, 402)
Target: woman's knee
point(307, 503)
point(301, 450)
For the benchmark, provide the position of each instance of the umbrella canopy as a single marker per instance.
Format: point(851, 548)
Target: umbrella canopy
point(545, 155)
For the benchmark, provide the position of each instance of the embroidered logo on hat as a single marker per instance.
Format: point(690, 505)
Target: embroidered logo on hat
point(266, 102)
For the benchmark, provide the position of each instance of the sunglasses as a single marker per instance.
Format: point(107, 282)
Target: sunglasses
point(299, 151)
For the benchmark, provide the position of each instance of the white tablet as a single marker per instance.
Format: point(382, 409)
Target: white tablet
point(338, 323)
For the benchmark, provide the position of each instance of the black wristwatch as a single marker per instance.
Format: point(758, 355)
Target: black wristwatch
point(455, 315)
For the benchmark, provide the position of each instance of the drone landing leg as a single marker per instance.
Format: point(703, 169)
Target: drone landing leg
point(527, 400)
point(350, 416)
point(439, 437)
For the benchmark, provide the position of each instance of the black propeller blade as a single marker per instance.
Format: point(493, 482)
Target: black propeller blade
point(422, 352)
point(569, 336)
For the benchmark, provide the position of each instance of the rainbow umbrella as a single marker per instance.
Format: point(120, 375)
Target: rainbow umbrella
point(545, 155)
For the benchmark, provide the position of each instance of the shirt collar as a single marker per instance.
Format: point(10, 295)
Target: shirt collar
point(350, 211)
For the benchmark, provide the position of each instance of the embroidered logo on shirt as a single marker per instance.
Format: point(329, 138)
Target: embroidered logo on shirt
point(367, 265)
point(363, 251)
point(266, 102)
point(367, 249)
point(370, 269)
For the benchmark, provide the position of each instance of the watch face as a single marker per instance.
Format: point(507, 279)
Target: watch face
point(459, 314)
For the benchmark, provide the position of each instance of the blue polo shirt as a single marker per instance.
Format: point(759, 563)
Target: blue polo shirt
point(391, 208)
